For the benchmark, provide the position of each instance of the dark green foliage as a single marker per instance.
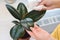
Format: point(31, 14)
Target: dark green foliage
point(35, 15)
point(26, 20)
point(13, 11)
point(22, 10)
point(17, 31)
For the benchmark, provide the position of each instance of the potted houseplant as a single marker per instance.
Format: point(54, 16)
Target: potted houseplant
point(25, 21)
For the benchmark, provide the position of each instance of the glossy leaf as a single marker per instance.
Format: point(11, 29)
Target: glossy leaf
point(16, 22)
point(14, 12)
point(17, 31)
point(27, 23)
point(35, 15)
point(22, 10)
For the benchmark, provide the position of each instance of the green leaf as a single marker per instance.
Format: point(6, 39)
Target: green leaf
point(16, 22)
point(22, 10)
point(35, 15)
point(27, 23)
point(13, 12)
point(17, 31)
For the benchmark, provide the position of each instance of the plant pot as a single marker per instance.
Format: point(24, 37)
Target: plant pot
point(25, 37)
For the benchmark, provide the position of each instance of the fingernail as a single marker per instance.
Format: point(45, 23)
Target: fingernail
point(31, 28)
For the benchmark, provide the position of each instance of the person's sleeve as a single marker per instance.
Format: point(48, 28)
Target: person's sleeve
point(56, 33)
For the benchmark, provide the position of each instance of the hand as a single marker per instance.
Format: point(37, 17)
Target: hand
point(39, 34)
point(50, 4)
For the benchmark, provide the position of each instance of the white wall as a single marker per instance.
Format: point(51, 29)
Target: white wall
point(5, 22)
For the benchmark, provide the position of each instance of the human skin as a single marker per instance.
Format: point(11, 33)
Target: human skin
point(39, 34)
point(49, 4)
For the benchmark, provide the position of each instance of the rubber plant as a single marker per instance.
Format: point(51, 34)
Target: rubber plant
point(26, 20)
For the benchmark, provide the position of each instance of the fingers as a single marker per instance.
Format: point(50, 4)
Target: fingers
point(35, 31)
point(40, 7)
point(33, 35)
point(37, 27)
point(42, 3)
point(30, 33)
